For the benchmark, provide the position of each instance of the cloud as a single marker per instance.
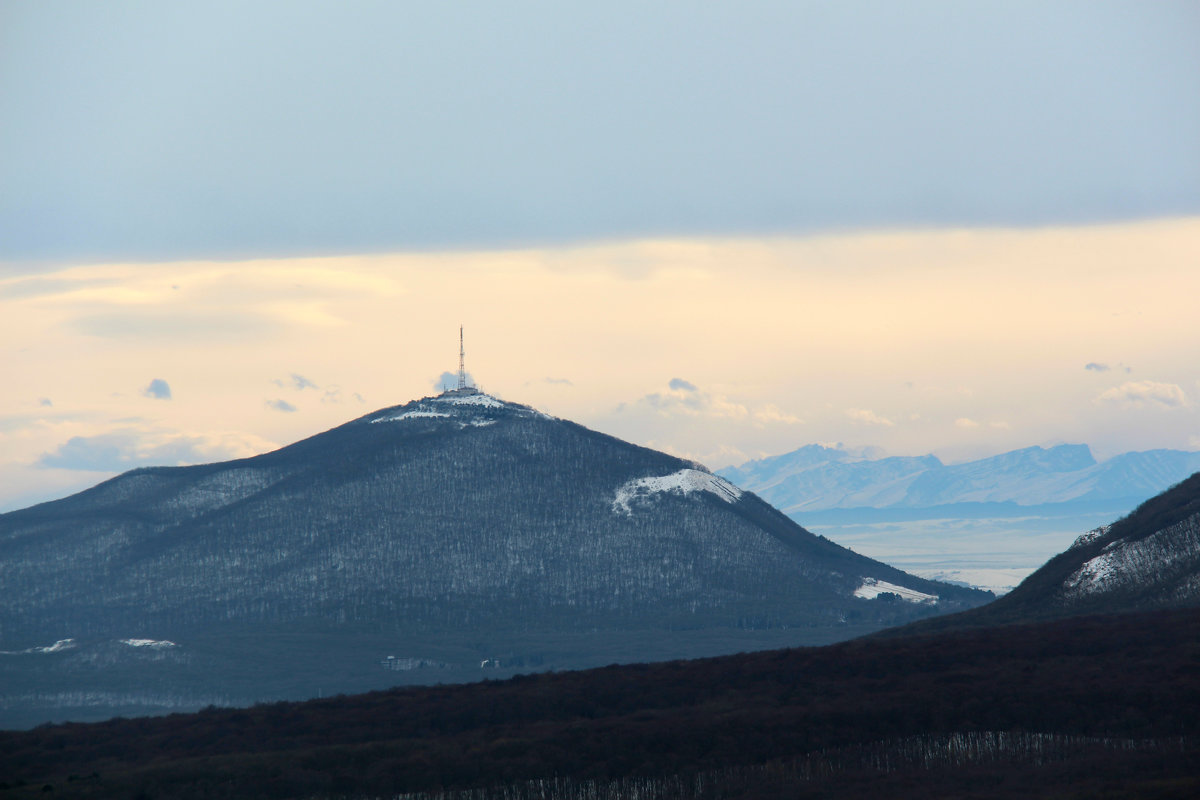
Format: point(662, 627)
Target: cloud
point(1144, 394)
point(1098, 367)
point(868, 417)
point(684, 399)
point(300, 383)
point(294, 381)
point(756, 164)
point(158, 389)
point(281, 405)
point(723, 455)
point(771, 413)
point(449, 380)
point(334, 395)
point(44, 401)
point(127, 448)
point(965, 422)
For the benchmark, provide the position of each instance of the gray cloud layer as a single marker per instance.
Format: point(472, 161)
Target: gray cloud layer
point(205, 129)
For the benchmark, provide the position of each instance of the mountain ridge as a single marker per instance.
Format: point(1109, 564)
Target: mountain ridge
point(817, 478)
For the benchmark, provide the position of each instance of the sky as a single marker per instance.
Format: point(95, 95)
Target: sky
point(722, 230)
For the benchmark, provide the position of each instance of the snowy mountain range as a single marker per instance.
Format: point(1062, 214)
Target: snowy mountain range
point(816, 478)
point(452, 534)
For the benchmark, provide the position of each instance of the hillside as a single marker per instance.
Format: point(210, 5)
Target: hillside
point(459, 535)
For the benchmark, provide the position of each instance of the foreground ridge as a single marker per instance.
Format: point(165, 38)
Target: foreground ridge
point(1063, 708)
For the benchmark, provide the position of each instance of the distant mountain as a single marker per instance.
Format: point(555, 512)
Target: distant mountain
point(451, 538)
point(816, 478)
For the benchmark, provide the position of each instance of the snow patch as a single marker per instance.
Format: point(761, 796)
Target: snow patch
point(685, 481)
point(60, 645)
point(411, 415)
point(1104, 571)
point(153, 644)
point(485, 400)
point(1122, 564)
point(870, 588)
point(1089, 537)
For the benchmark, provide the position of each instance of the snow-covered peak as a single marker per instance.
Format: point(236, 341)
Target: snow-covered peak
point(472, 399)
point(685, 481)
point(466, 408)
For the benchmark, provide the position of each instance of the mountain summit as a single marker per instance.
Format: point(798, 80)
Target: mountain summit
point(448, 533)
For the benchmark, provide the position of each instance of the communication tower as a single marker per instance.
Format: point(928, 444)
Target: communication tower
point(462, 363)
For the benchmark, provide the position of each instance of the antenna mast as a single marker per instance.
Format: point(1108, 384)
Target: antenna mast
point(462, 355)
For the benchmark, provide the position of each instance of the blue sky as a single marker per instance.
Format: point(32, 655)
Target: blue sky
point(165, 131)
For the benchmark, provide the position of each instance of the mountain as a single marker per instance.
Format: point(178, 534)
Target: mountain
point(816, 478)
point(448, 539)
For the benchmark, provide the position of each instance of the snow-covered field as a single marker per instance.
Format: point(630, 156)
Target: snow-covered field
point(870, 588)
